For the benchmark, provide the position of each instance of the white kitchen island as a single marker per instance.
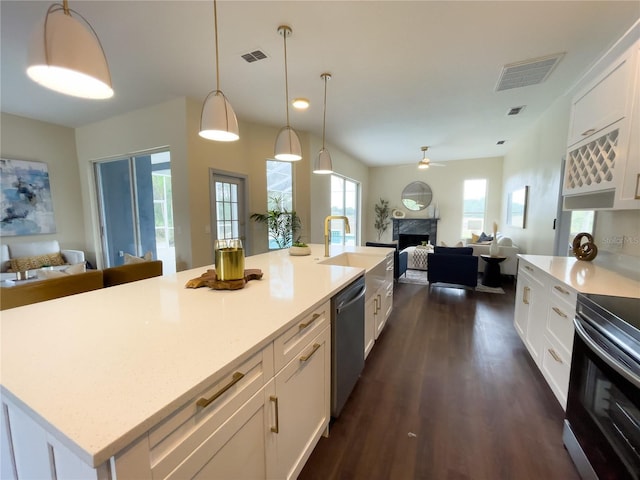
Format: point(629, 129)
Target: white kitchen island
point(104, 384)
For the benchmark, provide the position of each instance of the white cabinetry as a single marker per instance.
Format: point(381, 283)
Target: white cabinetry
point(602, 157)
point(543, 318)
point(378, 301)
point(530, 309)
point(260, 418)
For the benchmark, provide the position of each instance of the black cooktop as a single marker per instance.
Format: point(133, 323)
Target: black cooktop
point(623, 308)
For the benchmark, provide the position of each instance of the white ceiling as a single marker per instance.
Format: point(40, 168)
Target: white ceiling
point(405, 74)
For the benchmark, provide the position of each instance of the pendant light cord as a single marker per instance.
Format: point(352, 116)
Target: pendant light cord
point(65, 7)
point(324, 113)
point(215, 22)
point(286, 76)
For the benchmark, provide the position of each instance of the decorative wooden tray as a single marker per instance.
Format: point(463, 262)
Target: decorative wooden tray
point(209, 279)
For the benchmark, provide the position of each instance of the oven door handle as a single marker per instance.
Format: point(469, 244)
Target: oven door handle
point(608, 359)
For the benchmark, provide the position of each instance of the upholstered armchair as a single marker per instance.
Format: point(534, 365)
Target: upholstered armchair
point(455, 265)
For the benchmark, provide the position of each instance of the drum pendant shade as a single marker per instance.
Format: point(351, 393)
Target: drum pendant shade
point(66, 56)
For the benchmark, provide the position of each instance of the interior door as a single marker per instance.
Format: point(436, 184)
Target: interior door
point(228, 206)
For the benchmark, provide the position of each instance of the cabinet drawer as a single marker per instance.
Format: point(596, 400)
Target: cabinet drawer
point(560, 322)
point(565, 293)
point(533, 273)
point(556, 364)
point(298, 336)
point(176, 437)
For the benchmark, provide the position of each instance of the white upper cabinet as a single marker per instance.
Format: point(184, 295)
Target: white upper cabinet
point(602, 103)
point(602, 163)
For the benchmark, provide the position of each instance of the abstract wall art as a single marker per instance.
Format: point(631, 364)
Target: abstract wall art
point(26, 206)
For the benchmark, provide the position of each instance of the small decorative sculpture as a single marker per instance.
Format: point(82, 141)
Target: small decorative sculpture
point(584, 251)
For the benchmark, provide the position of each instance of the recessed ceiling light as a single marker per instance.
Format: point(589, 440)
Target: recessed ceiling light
point(300, 103)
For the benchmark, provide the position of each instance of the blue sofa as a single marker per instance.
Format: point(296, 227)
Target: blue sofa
point(454, 265)
point(400, 259)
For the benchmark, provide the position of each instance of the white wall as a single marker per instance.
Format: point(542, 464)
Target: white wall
point(447, 185)
point(26, 139)
point(536, 160)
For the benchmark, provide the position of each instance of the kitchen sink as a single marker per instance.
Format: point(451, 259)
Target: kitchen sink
point(350, 259)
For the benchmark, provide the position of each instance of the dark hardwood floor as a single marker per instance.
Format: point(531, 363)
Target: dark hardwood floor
point(448, 392)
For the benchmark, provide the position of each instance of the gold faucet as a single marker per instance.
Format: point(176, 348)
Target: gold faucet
point(327, 220)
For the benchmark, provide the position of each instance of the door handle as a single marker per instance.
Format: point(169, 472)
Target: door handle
point(276, 428)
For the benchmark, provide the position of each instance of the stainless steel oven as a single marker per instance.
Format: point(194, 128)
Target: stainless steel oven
point(602, 425)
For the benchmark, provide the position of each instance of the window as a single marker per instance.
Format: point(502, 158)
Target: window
point(345, 195)
point(582, 221)
point(473, 207)
point(279, 189)
point(227, 214)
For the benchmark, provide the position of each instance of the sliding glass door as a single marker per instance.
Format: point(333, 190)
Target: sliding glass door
point(136, 214)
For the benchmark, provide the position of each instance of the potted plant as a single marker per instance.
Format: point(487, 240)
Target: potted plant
point(283, 225)
point(382, 217)
point(299, 248)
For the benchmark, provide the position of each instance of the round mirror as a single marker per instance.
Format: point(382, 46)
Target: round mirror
point(417, 196)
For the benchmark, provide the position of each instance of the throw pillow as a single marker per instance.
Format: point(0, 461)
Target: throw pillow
point(128, 258)
point(485, 238)
point(442, 244)
point(22, 264)
point(474, 238)
point(459, 244)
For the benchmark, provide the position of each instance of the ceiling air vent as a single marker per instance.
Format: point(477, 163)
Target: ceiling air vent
point(515, 110)
point(254, 56)
point(528, 72)
point(500, 142)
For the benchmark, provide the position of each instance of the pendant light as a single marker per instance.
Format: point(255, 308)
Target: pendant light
point(218, 120)
point(66, 56)
point(323, 162)
point(287, 146)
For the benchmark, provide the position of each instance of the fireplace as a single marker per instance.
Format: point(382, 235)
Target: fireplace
point(418, 226)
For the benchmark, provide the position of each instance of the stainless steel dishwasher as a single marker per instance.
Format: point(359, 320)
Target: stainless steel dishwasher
point(347, 343)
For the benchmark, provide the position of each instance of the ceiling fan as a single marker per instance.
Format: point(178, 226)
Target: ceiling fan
point(426, 162)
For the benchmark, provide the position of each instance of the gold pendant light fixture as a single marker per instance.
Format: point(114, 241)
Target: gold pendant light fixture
point(218, 120)
point(287, 145)
point(66, 56)
point(323, 164)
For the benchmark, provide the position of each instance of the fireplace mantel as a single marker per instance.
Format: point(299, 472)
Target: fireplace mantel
point(419, 226)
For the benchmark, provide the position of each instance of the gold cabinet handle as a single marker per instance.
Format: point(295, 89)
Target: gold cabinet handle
point(561, 290)
point(554, 355)
point(306, 357)
point(588, 132)
point(560, 312)
point(525, 295)
point(275, 429)
point(304, 325)
point(203, 402)
point(527, 267)
point(375, 305)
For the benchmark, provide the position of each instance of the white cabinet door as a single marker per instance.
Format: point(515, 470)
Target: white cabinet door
point(302, 403)
point(369, 324)
point(522, 304)
point(531, 309)
point(240, 448)
point(602, 103)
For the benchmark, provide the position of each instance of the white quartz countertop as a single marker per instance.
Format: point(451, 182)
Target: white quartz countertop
point(585, 277)
point(99, 369)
